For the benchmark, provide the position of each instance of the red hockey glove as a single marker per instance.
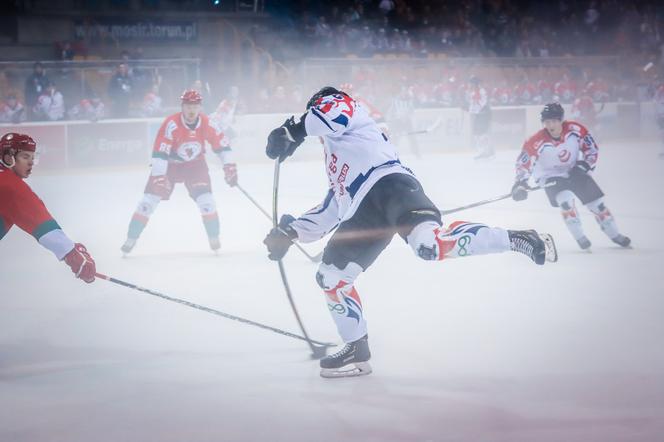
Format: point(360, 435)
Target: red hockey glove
point(230, 174)
point(81, 263)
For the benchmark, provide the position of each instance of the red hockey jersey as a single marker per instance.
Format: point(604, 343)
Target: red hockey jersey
point(176, 142)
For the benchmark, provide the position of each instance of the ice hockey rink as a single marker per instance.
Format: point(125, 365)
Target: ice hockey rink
point(490, 348)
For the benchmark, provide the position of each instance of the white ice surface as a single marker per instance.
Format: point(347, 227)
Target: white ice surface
point(479, 349)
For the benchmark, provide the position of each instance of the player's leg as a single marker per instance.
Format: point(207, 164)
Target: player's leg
point(660, 125)
point(352, 249)
point(198, 184)
point(430, 241)
point(590, 194)
point(481, 128)
point(418, 222)
point(565, 200)
point(139, 220)
point(157, 188)
point(561, 192)
point(208, 209)
point(607, 222)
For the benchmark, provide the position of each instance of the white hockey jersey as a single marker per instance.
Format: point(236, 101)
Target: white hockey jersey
point(544, 157)
point(357, 155)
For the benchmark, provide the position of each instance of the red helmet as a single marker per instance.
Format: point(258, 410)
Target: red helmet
point(191, 96)
point(12, 142)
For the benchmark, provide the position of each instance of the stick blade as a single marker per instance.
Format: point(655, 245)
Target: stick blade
point(318, 352)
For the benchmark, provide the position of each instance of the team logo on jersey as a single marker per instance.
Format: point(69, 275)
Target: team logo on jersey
point(564, 155)
point(190, 150)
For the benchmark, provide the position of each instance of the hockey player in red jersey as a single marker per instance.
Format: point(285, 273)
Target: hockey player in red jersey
point(372, 197)
point(561, 157)
point(583, 110)
point(20, 206)
point(179, 157)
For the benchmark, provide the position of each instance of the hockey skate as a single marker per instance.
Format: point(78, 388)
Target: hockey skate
point(622, 241)
point(128, 246)
point(584, 243)
point(215, 244)
point(351, 360)
point(539, 247)
point(487, 154)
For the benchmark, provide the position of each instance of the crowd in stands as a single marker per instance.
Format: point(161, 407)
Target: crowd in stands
point(131, 92)
point(408, 30)
point(128, 95)
point(524, 28)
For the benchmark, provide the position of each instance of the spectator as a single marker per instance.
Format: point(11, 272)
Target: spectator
point(65, 51)
point(35, 85)
point(121, 89)
point(386, 6)
point(50, 105)
point(152, 103)
point(11, 110)
point(92, 109)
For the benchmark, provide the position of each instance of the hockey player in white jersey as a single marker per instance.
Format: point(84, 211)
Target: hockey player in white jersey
point(477, 102)
point(561, 157)
point(659, 112)
point(372, 197)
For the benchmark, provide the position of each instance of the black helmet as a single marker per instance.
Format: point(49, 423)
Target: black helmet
point(552, 111)
point(324, 92)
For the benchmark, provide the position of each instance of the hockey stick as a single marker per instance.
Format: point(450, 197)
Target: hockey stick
point(210, 310)
point(316, 258)
point(488, 201)
point(429, 129)
point(316, 352)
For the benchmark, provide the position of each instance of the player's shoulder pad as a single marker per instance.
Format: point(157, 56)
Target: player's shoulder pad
point(176, 117)
point(536, 141)
point(170, 125)
point(574, 126)
point(336, 107)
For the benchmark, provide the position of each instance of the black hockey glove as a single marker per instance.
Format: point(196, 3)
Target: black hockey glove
point(520, 190)
point(582, 166)
point(280, 238)
point(282, 141)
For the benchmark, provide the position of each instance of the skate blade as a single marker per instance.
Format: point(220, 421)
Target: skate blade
point(550, 246)
point(349, 371)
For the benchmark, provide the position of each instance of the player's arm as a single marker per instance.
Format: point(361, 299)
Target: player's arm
point(589, 151)
point(319, 221)
point(524, 168)
point(30, 214)
point(311, 226)
point(330, 116)
point(221, 146)
point(161, 150)
point(163, 143)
